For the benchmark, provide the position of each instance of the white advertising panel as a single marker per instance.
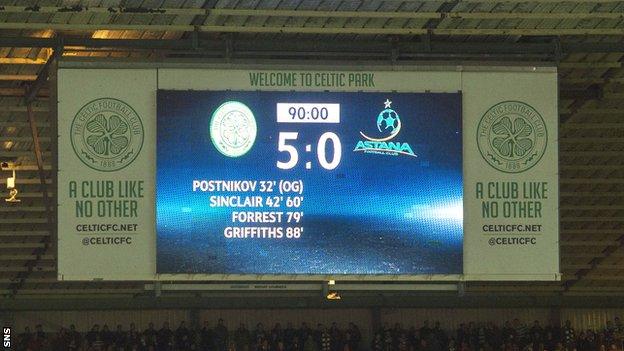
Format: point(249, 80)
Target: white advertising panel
point(106, 174)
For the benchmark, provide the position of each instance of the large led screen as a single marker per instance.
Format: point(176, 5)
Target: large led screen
point(260, 182)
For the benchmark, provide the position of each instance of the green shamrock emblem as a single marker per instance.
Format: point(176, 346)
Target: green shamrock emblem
point(107, 136)
point(512, 140)
point(512, 136)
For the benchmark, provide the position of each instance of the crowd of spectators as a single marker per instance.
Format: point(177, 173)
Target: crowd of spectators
point(511, 336)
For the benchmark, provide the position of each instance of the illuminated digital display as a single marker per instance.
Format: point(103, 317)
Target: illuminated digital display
point(308, 113)
point(259, 182)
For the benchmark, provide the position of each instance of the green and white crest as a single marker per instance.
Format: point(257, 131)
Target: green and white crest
point(512, 136)
point(107, 134)
point(233, 129)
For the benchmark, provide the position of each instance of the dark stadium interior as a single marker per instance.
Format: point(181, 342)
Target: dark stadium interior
point(580, 42)
point(428, 336)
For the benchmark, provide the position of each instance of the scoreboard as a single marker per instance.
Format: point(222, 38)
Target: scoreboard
point(309, 182)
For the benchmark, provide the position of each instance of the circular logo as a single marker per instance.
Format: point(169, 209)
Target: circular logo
point(233, 129)
point(512, 136)
point(107, 134)
point(388, 119)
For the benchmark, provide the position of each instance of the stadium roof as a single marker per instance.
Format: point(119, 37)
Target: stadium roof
point(585, 39)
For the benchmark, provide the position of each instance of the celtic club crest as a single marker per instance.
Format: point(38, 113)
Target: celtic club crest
point(233, 129)
point(512, 136)
point(107, 134)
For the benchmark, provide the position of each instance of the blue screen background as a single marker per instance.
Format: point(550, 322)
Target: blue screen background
point(373, 214)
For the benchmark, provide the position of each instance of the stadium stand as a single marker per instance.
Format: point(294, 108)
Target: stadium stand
point(430, 336)
point(574, 306)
